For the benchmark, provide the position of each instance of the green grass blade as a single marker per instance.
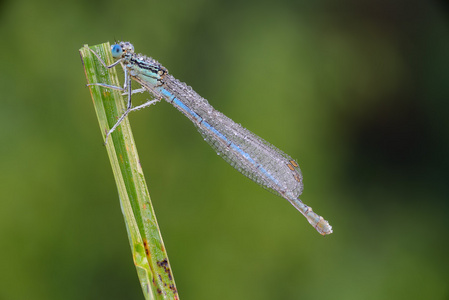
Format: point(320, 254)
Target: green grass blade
point(149, 255)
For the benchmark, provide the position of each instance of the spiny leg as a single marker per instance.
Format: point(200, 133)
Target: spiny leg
point(102, 62)
point(108, 85)
point(118, 88)
point(130, 109)
point(113, 87)
point(110, 66)
point(146, 104)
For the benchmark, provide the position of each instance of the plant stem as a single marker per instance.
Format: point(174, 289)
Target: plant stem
point(147, 247)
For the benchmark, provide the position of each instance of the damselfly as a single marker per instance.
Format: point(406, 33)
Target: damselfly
point(249, 154)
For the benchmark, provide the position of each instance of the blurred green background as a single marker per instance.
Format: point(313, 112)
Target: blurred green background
point(357, 92)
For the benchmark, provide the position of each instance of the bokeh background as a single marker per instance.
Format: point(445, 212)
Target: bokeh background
point(356, 91)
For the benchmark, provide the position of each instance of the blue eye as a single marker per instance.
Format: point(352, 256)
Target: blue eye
point(116, 51)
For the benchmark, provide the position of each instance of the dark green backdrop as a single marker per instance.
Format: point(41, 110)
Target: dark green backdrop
point(357, 93)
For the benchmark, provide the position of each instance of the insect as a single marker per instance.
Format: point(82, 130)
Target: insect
point(249, 154)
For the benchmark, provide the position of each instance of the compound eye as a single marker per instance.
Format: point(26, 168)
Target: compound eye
point(116, 50)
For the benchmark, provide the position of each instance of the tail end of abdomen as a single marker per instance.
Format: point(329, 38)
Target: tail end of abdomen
point(318, 222)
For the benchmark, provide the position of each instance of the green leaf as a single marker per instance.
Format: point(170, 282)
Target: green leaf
point(147, 247)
